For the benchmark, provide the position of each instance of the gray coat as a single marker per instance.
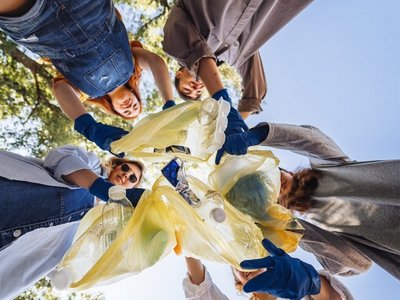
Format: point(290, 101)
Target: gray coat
point(231, 31)
point(357, 204)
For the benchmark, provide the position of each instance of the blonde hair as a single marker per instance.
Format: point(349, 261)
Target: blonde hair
point(112, 162)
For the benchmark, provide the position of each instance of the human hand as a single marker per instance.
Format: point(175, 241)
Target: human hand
point(286, 277)
point(101, 134)
point(100, 187)
point(237, 143)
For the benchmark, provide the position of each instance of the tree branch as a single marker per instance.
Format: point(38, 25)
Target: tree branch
point(11, 49)
point(144, 27)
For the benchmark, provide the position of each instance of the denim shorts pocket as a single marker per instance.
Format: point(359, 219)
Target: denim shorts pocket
point(111, 73)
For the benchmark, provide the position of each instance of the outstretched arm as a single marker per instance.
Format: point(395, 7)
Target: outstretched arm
point(327, 291)
point(288, 277)
point(195, 270)
point(209, 74)
point(154, 63)
point(304, 140)
point(74, 165)
point(198, 284)
point(70, 103)
point(68, 99)
point(65, 160)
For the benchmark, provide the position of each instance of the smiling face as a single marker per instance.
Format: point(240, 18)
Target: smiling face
point(125, 102)
point(126, 174)
point(188, 85)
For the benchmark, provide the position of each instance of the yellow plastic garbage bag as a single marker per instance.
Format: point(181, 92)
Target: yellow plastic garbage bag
point(162, 221)
point(251, 183)
point(147, 238)
point(235, 239)
point(197, 125)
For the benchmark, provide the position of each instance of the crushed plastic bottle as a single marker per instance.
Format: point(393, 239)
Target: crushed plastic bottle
point(116, 214)
point(206, 136)
point(211, 208)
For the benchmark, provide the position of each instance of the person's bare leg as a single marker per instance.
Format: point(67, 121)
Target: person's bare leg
point(14, 8)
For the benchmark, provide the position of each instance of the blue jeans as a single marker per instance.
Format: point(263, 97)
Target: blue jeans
point(84, 39)
point(25, 206)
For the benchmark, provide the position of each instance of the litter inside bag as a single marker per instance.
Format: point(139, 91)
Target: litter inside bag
point(251, 183)
point(196, 126)
point(250, 195)
point(162, 222)
point(147, 238)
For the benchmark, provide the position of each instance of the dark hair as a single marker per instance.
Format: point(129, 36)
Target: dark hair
point(182, 95)
point(304, 183)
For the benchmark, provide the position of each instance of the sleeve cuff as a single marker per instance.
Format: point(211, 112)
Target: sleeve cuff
point(251, 105)
point(338, 286)
point(193, 61)
point(192, 290)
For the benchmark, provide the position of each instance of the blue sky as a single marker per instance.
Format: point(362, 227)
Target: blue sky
point(336, 67)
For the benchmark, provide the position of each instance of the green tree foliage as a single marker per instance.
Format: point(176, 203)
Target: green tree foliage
point(43, 290)
point(31, 120)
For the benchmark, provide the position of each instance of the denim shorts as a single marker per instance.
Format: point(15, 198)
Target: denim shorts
point(26, 206)
point(84, 39)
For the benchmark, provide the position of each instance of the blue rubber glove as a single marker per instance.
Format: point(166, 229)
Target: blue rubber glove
point(286, 277)
point(103, 135)
point(236, 123)
point(100, 188)
point(237, 143)
point(168, 104)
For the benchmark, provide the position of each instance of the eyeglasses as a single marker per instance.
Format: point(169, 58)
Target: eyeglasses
point(125, 168)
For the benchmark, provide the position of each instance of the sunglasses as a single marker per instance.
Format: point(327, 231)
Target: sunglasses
point(125, 168)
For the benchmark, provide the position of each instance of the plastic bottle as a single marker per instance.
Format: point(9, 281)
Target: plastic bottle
point(89, 253)
point(206, 136)
point(116, 214)
point(211, 208)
